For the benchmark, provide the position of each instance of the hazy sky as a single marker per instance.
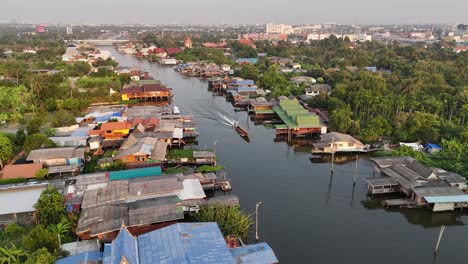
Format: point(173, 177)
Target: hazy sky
point(235, 11)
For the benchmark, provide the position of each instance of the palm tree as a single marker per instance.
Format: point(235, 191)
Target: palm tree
point(11, 255)
point(61, 230)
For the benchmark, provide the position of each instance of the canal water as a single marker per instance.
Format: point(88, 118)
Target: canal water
point(306, 215)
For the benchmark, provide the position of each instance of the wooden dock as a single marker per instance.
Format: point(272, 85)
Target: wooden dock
point(400, 203)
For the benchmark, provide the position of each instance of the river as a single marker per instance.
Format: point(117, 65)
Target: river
point(306, 215)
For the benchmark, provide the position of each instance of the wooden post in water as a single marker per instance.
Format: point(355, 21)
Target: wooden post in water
point(333, 156)
point(256, 220)
point(355, 169)
point(441, 233)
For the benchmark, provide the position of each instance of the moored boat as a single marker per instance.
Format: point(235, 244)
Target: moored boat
point(241, 131)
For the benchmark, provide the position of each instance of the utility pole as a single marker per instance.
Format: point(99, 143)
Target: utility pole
point(256, 220)
point(214, 150)
point(333, 155)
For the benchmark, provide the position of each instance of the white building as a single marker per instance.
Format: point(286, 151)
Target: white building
point(70, 30)
point(279, 29)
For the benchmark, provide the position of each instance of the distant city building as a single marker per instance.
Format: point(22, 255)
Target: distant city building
point(329, 26)
point(279, 29)
point(40, 29)
point(70, 30)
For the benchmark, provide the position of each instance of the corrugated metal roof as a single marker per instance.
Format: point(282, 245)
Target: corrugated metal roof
point(83, 257)
point(447, 199)
point(185, 243)
point(257, 253)
point(125, 245)
point(135, 173)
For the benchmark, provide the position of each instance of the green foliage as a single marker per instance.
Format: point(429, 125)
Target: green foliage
point(63, 118)
point(180, 153)
point(50, 208)
point(62, 230)
point(40, 256)
point(6, 148)
point(35, 141)
point(41, 174)
point(115, 165)
point(249, 72)
point(208, 168)
point(14, 102)
point(12, 255)
point(98, 82)
point(38, 238)
point(11, 181)
point(51, 104)
point(231, 220)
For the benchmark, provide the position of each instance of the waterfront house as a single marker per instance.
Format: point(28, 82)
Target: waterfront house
point(180, 243)
point(160, 52)
point(337, 142)
point(296, 119)
point(112, 130)
point(226, 67)
point(147, 92)
point(24, 171)
point(144, 151)
point(168, 61)
point(173, 51)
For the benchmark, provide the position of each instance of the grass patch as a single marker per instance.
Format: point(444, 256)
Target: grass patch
point(12, 181)
point(208, 168)
point(180, 153)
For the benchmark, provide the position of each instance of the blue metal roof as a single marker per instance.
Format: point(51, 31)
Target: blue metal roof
point(83, 257)
point(256, 253)
point(447, 199)
point(185, 243)
point(247, 89)
point(432, 146)
point(104, 118)
point(135, 173)
point(250, 60)
point(244, 82)
point(125, 245)
point(106, 259)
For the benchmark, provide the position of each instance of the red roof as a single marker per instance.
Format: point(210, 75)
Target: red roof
point(246, 42)
point(151, 121)
point(134, 121)
point(26, 171)
point(210, 45)
point(173, 50)
point(159, 50)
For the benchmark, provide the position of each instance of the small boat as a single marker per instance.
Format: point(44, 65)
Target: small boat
point(242, 132)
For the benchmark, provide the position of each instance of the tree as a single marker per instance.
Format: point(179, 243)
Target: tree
point(63, 118)
point(35, 141)
point(231, 220)
point(39, 238)
point(6, 148)
point(51, 104)
point(341, 119)
point(62, 230)
point(40, 256)
point(50, 208)
point(34, 125)
point(249, 72)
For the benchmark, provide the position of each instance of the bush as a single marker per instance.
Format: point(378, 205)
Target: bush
point(41, 174)
point(180, 153)
point(208, 168)
point(51, 104)
point(11, 181)
point(63, 118)
point(36, 141)
point(6, 148)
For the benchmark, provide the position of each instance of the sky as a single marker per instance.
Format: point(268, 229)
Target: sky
point(235, 11)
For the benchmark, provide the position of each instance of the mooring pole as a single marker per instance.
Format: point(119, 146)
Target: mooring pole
point(355, 169)
point(441, 233)
point(256, 220)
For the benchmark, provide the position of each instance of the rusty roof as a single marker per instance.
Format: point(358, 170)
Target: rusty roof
point(26, 171)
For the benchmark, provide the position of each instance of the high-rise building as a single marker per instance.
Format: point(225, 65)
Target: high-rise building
point(40, 29)
point(70, 30)
point(279, 29)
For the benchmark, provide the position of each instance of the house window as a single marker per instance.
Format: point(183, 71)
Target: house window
point(350, 144)
point(109, 131)
point(335, 145)
point(341, 145)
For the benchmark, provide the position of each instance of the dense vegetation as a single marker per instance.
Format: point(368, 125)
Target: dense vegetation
point(421, 94)
point(39, 243)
